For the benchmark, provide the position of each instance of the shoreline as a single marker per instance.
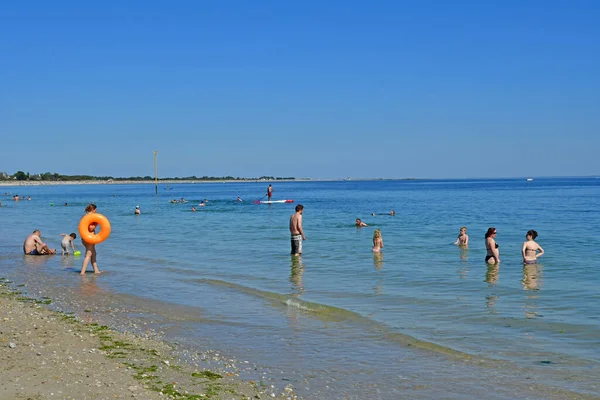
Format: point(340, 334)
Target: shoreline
point(52, 353)
point(174, 181)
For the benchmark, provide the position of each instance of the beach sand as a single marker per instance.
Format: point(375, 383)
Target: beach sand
point(51, 355)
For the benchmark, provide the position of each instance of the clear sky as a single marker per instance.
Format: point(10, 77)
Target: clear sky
point(321, 89)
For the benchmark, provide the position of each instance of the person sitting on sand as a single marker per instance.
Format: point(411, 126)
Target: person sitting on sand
point(359, 223)
point(34, 246)
point(531, 250)
point(377, 241)
point(66, 242)
point(463, 239)
point(137, 210)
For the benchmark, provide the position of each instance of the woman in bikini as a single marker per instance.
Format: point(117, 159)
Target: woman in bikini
point(531, 250)
point(377, 241)
point(492, 255)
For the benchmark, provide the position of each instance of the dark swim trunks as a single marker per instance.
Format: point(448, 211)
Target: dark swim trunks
point(530, 261)
point(296, 244)
point(34, 252)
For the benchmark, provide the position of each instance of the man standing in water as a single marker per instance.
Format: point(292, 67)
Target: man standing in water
point(296, 230)
point(270, 192)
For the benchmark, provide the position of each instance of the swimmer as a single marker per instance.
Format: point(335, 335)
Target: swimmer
point(201, 203)
point(66, 241)
point(239, 199)
point(193, 208)
point(90, 249)
point(34, 246)
point(531, 250)
point(66, 204)
point(377, 241)
point(463, 239)
point(491, 247)
point(359, 223)
point(392, 213)
point(28, 197)
point(137, 210)
point(183, 200)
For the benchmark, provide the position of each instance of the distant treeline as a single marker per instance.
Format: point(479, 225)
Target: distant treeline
point(48, 176)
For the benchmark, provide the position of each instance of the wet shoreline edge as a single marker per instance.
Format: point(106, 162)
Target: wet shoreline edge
point(50, 352)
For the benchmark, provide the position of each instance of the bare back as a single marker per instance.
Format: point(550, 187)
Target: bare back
point(31, 242)
point(296, 224)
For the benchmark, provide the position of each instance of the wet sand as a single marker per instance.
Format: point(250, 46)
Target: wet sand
point(49, 354)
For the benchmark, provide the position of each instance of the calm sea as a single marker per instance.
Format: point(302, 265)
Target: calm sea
point(423, 319)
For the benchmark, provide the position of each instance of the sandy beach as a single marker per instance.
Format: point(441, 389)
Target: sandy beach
point(52, 355)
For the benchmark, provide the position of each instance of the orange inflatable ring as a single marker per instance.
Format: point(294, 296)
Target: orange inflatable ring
point(92, 237)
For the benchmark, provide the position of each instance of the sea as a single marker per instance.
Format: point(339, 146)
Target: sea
point(423, 319)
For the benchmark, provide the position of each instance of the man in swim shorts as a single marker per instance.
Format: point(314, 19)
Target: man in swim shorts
point(34, 246)
point(270, 192)
point(296, 231)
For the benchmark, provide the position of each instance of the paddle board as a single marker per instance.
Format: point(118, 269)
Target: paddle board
point(272, 201)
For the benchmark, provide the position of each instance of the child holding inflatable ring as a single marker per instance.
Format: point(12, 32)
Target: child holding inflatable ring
point(90, 249)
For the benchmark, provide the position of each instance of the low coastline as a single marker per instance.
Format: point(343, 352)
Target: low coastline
point(195, 181)
point(51, 354)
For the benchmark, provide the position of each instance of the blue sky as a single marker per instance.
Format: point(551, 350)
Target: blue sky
point(425, 89)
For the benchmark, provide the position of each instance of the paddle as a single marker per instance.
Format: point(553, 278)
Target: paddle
point(258, 201)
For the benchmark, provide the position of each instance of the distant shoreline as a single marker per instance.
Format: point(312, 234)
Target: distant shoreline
point(171, 182)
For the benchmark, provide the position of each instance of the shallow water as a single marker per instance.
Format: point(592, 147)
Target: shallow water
point(423, 319)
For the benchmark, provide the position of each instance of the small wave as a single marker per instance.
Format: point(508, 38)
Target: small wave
point(336, 314)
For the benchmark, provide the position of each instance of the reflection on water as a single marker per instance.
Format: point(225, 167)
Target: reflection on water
point(297, 270)
point(378, 260)
point(36, 261)
point(532, 278)
point(464, 269)
point(491, 303)
point(378, 264)
point(532, 282)
point(89, 286)
point(491, 275)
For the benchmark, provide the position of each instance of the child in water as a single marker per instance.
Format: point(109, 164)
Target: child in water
point(377, 241)
point(463, 238)
point(66, 242)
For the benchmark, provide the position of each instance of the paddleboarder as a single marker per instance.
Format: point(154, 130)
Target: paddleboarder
point(270, 192)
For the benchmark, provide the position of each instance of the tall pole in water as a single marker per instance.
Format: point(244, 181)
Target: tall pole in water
point(155, 172)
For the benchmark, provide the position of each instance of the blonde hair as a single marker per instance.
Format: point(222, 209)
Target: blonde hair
point(376, 234)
